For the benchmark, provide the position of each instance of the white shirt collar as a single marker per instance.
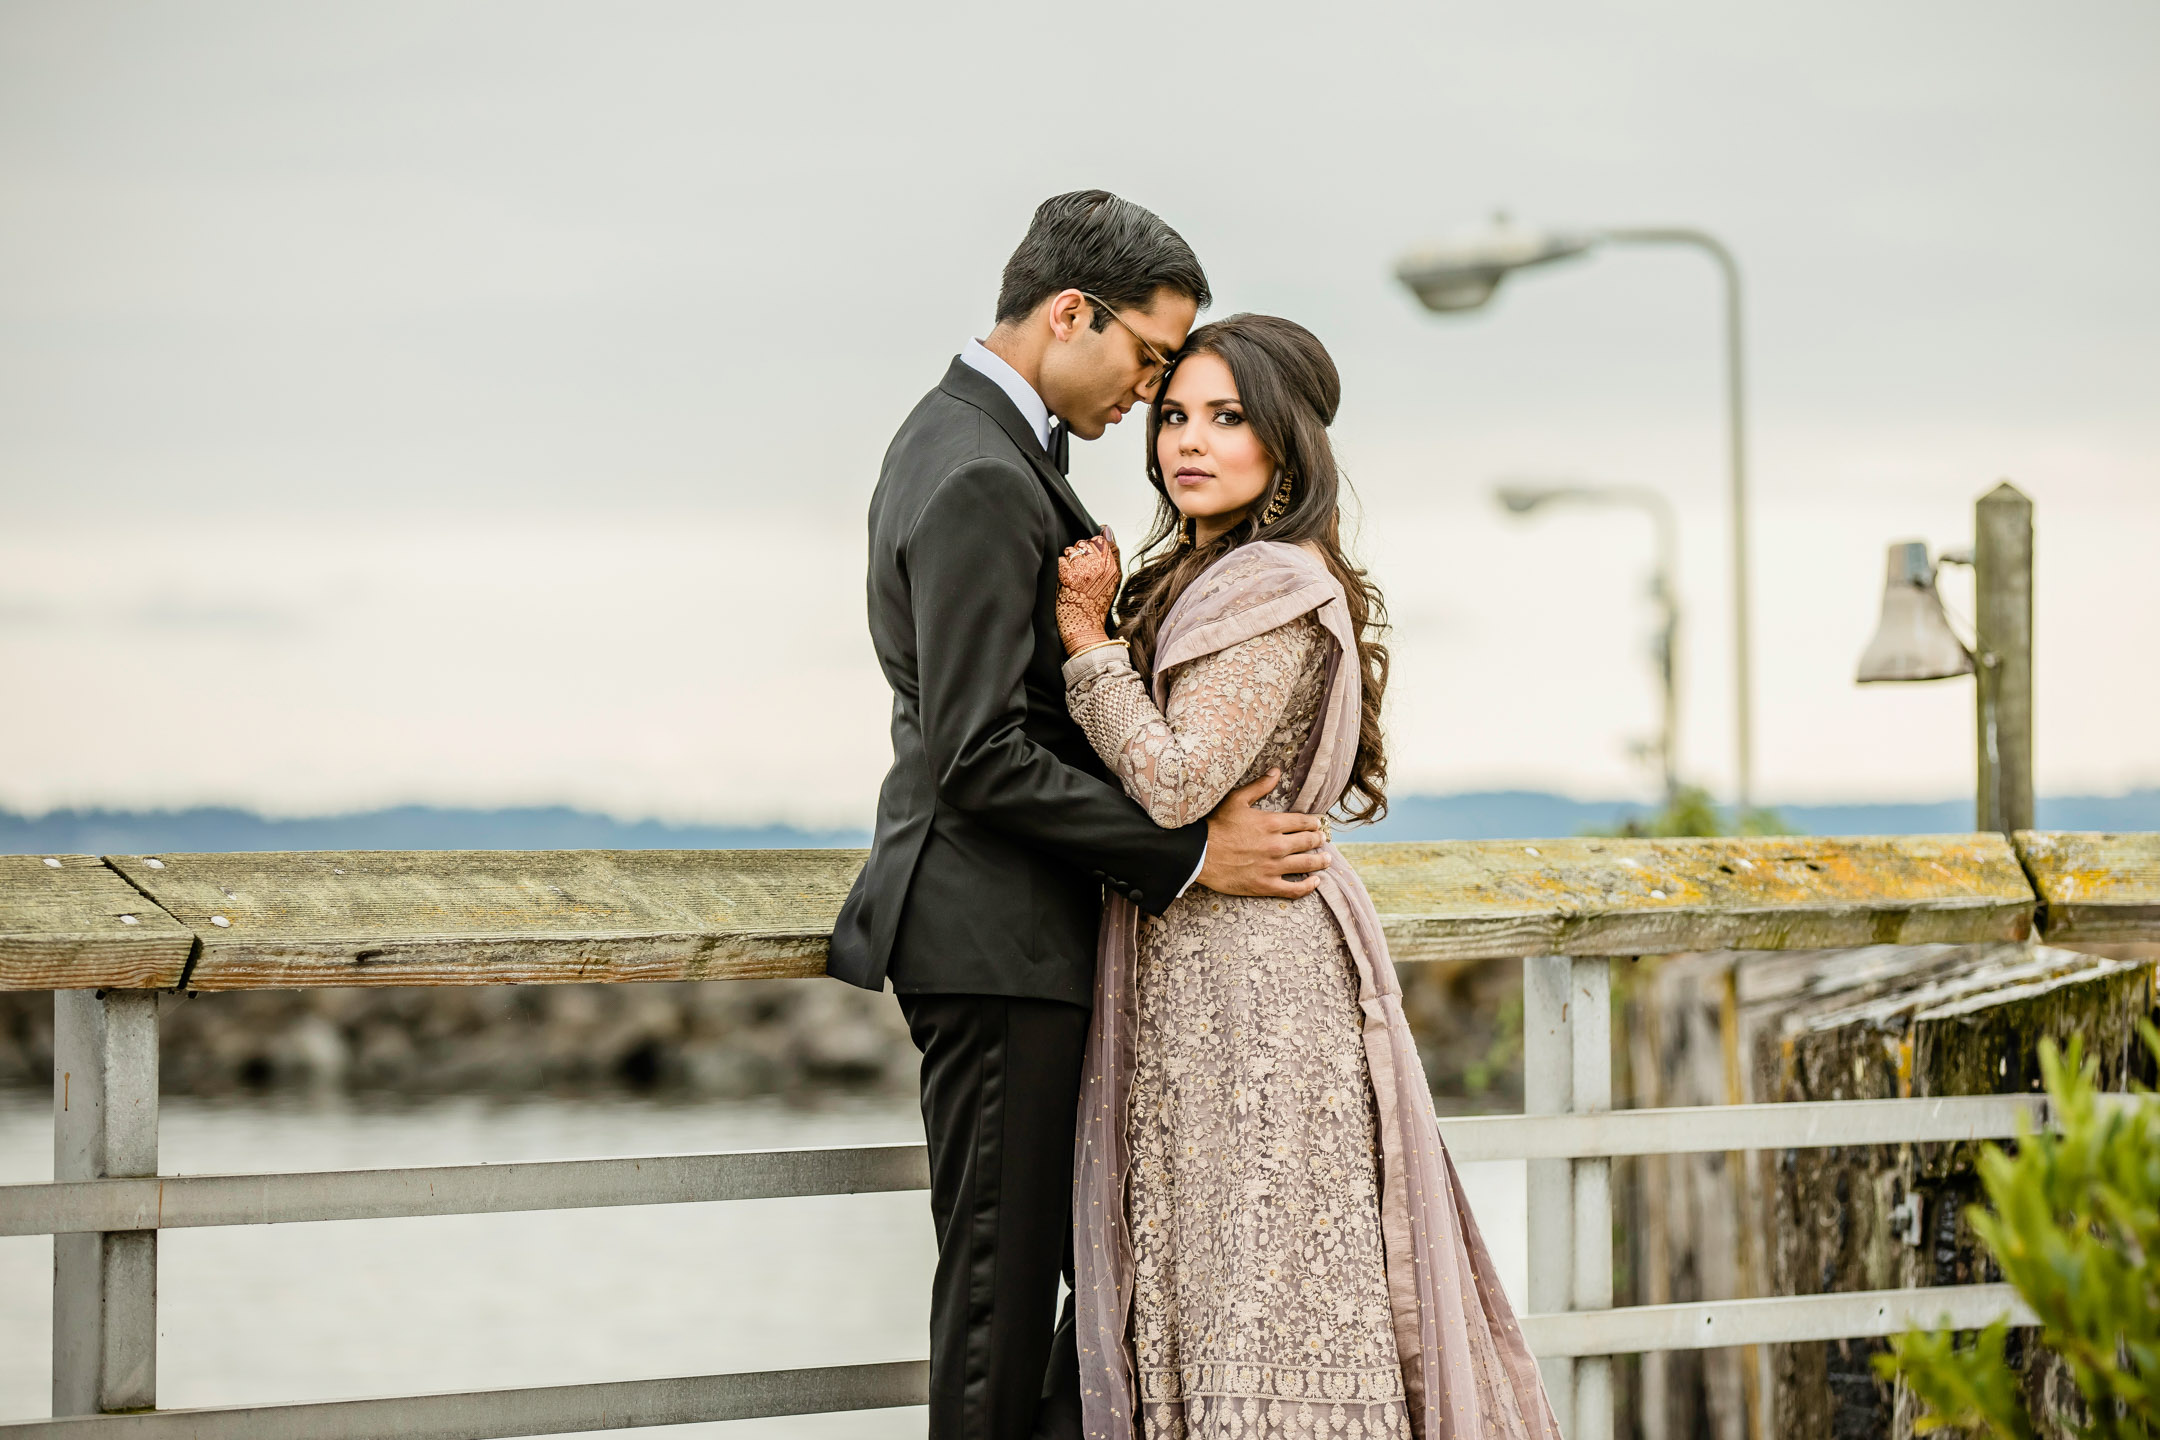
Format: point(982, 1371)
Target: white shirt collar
point(983, 360)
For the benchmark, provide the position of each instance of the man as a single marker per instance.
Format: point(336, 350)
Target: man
point(997, 826)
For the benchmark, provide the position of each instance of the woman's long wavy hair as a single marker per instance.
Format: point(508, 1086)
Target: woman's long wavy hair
point(1289, 390)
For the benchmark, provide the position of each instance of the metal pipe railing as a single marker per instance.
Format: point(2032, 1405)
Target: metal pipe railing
point(1574, 1334)
point(183, 1202)
point(535, 1410)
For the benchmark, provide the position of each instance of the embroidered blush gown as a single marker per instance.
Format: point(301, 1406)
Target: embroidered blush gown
point(1260, 1303)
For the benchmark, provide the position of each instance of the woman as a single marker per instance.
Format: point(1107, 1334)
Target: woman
point(1270, 1239)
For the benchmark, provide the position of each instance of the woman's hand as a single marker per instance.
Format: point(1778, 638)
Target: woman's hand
point(1088, 576)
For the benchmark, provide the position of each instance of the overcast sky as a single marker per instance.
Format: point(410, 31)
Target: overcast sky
point(476, 403)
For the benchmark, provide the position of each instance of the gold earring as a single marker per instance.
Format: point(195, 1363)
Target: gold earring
point(1278, 504)
point(1188, 533)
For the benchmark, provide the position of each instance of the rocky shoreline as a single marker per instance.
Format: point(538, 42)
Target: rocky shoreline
point(736, 1038)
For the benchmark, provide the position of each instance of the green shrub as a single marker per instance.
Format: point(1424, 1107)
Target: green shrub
point(1691, 811)
point(2073, 1220)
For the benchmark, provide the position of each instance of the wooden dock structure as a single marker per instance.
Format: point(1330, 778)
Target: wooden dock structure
point(108, 934)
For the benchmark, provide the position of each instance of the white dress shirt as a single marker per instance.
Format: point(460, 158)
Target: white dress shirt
point(986, 362)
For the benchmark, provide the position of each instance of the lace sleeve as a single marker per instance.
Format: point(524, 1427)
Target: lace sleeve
point(1223, 707)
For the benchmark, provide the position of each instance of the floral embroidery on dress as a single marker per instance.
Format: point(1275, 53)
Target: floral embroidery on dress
point(1260, 1300)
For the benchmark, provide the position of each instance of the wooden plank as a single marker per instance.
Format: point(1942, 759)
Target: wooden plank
point(1501, 898)
point(540, 917)
point(2094, 887)
point(69, 923)
point(449, 917)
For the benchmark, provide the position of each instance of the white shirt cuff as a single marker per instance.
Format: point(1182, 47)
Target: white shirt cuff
point(1195, 873)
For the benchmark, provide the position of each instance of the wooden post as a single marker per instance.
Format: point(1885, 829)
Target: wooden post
point(1592, 1288)
point(105, 1124)
point(1549, 1089)
point(2002, 577)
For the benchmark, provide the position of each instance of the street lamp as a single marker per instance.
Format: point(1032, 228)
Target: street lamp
point(1462, 272)
point(1521, 499)
point(1914, 641)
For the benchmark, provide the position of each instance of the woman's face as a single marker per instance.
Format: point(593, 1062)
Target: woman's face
point(1213, 465)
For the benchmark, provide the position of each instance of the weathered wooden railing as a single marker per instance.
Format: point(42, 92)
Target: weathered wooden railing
point(106, 935)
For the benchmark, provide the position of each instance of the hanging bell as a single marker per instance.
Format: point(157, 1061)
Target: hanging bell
point(1914, 640)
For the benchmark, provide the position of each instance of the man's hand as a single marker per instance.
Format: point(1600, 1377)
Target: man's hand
point(1262, 852)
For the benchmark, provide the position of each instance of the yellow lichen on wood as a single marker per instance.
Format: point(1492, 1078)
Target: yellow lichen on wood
point(1587, 896)
point(451, 917)
point(267, 921)
point(2094, 887)
point(69, 923)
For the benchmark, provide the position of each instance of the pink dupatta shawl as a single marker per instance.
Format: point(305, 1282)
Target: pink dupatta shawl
point(1467, 1373)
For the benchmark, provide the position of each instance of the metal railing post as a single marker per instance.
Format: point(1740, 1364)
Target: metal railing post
point(1549, 1089)
point(1590, 1001)
point(105, 1124)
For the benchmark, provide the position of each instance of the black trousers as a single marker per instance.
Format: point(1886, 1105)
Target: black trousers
point(1000, 1093)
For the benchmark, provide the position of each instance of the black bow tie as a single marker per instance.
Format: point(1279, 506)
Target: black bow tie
point(1060, 447)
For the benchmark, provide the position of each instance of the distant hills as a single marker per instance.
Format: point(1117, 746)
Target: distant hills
point(406, 827)
point(1481, 815)
point(1507, 814)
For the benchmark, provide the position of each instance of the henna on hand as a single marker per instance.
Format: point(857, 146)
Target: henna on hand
point(1088, 575)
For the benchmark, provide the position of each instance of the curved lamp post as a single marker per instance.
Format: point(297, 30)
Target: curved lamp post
point(1462, 273)
point(1521, 499)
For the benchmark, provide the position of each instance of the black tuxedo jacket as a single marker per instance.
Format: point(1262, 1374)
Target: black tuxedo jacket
point(997, 826)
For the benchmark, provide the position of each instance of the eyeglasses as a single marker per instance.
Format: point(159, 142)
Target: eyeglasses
point(1158, 362)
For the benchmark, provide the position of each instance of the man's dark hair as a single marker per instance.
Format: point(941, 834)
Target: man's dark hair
point(1091, 240)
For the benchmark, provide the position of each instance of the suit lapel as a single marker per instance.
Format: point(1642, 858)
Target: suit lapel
point(964, 382)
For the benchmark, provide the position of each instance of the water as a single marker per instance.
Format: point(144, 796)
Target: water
point(380, 1307)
